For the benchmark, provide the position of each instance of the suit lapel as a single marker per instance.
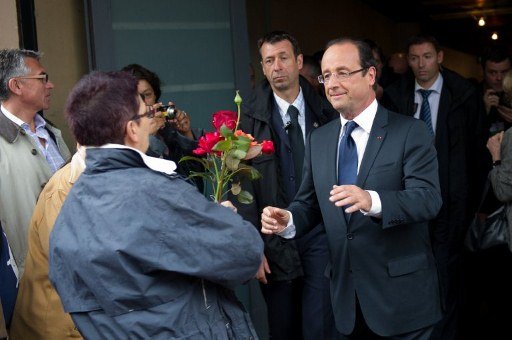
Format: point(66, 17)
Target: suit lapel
point(442, 116)
point(331, 152)
point(375, 140)
point(330, 156)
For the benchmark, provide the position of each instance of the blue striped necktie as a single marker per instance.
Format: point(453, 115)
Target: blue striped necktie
point(425, 114)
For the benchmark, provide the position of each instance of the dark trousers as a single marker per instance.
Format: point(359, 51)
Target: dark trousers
point(283, 299)
point(363, 332)
point(317, 315)
point(450, 285)
point(301, 308)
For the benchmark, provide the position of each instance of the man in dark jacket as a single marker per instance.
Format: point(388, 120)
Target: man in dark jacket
point(449, 106)
point(292, 274)
point(136, 251)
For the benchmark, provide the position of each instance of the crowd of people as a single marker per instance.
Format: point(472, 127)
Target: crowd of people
point(357, 226)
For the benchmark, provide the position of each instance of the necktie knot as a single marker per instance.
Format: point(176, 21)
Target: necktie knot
point(293, 112)
point(351, 125)
point(425, 93)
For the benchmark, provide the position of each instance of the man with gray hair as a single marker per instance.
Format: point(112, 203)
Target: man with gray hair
point(31, 149)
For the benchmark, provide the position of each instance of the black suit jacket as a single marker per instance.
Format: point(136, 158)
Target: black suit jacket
point(387, 262)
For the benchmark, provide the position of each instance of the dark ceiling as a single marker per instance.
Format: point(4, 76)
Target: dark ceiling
point(454, 22)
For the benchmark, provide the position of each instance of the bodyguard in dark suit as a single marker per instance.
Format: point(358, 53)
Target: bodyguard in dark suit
point(293, 282)
point(376, 187)
point(457, 126)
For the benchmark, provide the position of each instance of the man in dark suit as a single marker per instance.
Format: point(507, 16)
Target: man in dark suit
point(457, 125)
point(292, 275)
point(375, 202)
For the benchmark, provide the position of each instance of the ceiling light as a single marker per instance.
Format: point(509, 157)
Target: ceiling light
point(494, 36)
point(481, 22)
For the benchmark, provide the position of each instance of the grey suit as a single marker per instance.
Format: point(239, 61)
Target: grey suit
point(386, 261)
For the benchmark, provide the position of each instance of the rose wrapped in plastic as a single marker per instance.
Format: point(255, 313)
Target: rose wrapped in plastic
point(224, 152)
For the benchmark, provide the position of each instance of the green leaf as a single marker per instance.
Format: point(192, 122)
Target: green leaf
point(242, 143)
point(244, 197)
point(240, 154)
point(236, 188)
point(224, 131)
point(232, 162)
point(223, 145)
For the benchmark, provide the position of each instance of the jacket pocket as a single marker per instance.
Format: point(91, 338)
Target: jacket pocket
point(407, 265)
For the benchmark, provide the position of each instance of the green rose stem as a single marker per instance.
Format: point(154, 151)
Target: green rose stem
point(219, 190)
point(238, 101)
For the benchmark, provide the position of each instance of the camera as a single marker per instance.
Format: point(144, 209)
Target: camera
point(169, 111)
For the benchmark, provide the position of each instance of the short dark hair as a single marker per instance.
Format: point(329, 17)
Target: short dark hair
point(12, 64)
point(494, 53)
point(375, 48)
point(422, 39)
point(277, 36)
point(366, 58)
point(142, 73)
point(310, 61)
point(99, 107)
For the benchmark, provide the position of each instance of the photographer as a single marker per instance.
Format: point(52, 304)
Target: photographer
point(495, 64)
point(171, 138)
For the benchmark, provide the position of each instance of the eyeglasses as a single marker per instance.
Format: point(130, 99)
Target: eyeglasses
point(150, 113)
point(340, 75)
point(44, 77)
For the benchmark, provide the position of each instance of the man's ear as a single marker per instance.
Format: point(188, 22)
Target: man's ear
point(300, 59)
point(440, 57)
point(130, 136)
point(14, 86)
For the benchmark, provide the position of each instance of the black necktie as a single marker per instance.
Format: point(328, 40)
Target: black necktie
point(425, 114)
point(296, 143)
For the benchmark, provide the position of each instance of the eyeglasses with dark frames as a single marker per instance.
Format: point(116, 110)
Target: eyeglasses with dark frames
point(340, 75)
point(150, 113)
point(44, 77)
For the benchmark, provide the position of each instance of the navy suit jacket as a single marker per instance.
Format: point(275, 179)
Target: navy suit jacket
point(387, 262)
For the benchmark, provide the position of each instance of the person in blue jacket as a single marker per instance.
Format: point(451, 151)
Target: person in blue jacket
point(137, 251)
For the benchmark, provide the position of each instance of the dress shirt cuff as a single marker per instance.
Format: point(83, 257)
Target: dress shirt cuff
point(289, 231)
point(376, 208)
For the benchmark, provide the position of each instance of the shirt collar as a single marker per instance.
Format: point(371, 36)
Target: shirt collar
point(11, 117)
point(283, 104)
point(155, 164)
point(39, 121)
point(437, 86)
point(365, 118)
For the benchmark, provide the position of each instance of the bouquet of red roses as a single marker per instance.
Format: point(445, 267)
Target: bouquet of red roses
point(224, 151)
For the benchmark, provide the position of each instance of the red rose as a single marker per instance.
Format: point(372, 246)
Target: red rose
point(224, 117)
point(267, 147)
point(207, 142)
